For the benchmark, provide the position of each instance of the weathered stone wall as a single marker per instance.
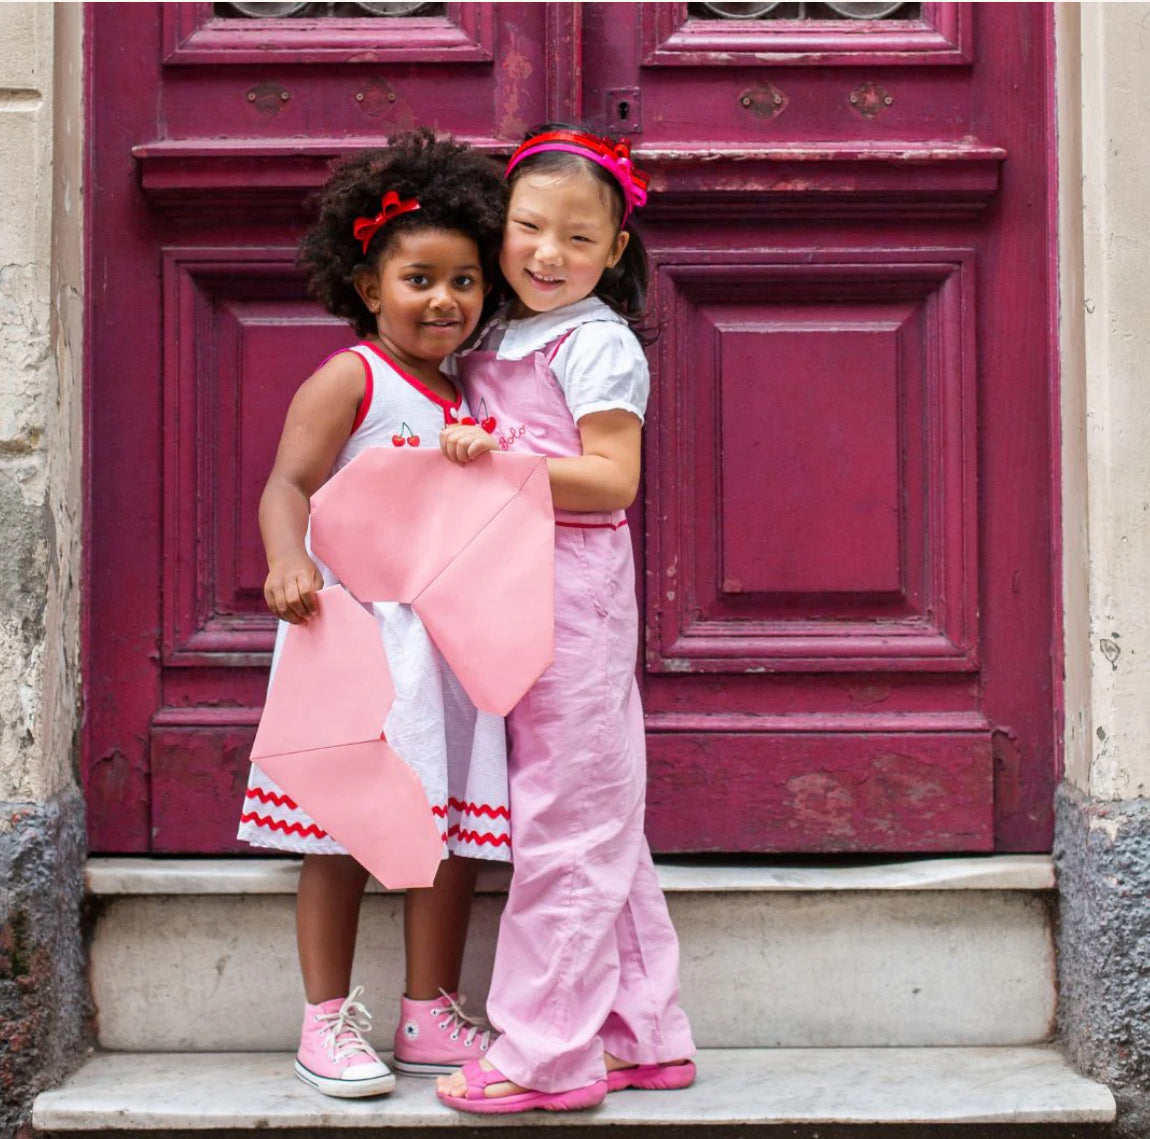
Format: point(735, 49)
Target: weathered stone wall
point(26, 381)
point(43, 983)
point(1103, 857)
point(43, 992)
point(1103, 836)
point(60, 691)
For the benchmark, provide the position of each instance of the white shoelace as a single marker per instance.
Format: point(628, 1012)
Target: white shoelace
point(343, 1036)
point(457, 1020)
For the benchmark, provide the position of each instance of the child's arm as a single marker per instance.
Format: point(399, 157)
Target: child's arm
point(318, 423)
point(604, 477)
point(603, 375)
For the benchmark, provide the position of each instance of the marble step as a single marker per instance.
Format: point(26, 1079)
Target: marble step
point(199, 955)
point(736, 1089)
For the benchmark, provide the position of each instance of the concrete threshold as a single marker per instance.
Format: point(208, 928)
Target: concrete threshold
point(737, 1088)
point(109, 876)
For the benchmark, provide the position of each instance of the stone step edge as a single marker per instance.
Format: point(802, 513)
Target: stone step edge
point(109, 876)
point(241, 1091)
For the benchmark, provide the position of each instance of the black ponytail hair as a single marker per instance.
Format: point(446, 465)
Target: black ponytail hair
point(624, 286)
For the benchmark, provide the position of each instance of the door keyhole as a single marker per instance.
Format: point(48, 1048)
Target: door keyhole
point(623, 106)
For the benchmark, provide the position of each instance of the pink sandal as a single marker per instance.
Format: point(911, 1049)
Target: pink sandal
point(652, 1077)
point(479, 1079)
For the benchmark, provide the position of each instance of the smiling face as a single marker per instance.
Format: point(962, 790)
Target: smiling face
point(426, 294)
point(561, 234)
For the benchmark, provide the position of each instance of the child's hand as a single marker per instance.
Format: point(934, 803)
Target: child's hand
point(463, 442)
point(291, 587)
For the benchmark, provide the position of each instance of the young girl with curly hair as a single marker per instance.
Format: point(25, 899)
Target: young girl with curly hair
point(404, 247)
point(586, 983)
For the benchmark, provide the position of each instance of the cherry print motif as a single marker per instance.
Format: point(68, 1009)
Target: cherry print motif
point(406, 435)
point(486, 419)
point(468, 421)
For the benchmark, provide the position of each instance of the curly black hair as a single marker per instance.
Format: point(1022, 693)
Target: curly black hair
point(457, 187)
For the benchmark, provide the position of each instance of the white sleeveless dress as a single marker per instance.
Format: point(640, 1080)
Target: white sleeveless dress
point(459, 753)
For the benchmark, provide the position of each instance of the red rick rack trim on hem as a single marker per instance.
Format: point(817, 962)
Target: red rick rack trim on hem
point(311, 831)
point(468, 808)
point(480, 838)
point(463, 834)
point(272, 797)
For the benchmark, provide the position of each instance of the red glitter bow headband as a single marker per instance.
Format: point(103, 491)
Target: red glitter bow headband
point(614, 157)
point(365, 229)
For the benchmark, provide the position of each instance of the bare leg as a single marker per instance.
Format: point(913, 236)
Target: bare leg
point(435, 929)
point(326, 920)
point(448, 903)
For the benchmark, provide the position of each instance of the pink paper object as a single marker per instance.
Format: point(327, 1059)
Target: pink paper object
point(320, 739)
point(470, 548)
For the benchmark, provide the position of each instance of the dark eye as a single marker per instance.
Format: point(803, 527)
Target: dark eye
point(464, 281)
point(416, 279)
point(526, 225)
point(582, 238)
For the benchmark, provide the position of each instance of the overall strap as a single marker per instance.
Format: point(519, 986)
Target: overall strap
point(552, 350)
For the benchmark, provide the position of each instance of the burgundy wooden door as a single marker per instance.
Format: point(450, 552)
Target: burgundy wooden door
point(845, 535)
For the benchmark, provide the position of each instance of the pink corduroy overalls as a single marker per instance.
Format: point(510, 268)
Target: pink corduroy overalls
point(587, 957)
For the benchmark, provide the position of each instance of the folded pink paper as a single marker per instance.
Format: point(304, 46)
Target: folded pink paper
point(320, 739)
point(470, 548)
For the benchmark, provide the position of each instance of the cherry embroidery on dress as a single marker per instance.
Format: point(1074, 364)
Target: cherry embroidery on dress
point(406, 435)
point(486, 419)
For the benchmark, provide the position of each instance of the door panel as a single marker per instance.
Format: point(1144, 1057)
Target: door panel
point(830, 381)
point(831, 440)
point(845, 531)
point(827, 792)
point(203, 152)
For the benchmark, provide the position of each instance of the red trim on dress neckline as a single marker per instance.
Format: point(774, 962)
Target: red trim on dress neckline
point(415, 382)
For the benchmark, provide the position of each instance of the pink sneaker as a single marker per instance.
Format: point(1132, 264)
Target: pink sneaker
point(435, 1037)
point(333, 1056)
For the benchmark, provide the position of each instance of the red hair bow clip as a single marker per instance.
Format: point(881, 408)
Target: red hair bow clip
point(364, 229)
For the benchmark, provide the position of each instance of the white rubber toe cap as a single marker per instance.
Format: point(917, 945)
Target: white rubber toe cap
point(357, 1080)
